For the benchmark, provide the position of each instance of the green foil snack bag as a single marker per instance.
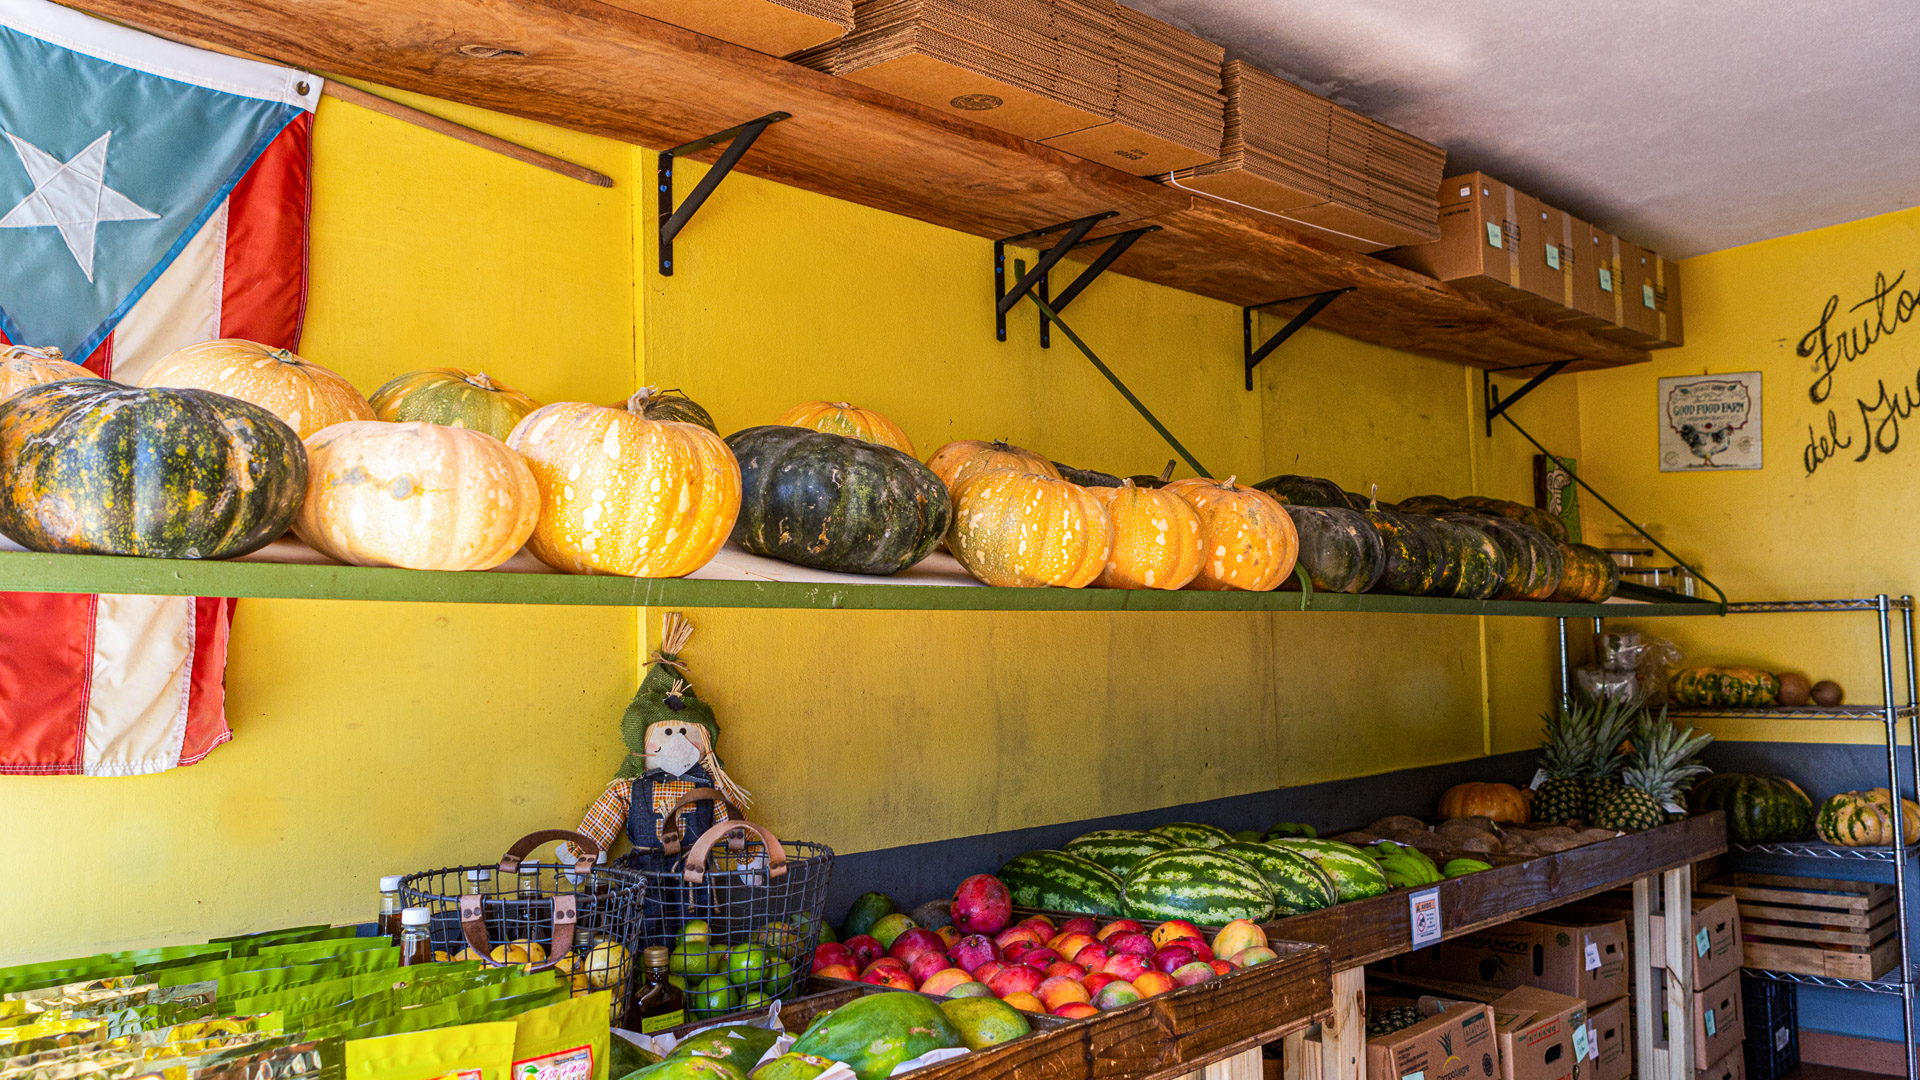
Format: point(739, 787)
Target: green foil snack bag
point(567, 1041)
point(468, 1052)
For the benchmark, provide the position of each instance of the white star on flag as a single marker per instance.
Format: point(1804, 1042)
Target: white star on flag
point(72, 197)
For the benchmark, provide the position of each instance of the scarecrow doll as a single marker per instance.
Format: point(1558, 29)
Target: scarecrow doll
point(670, 735)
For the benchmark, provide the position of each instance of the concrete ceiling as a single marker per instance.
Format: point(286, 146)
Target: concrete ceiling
point(1687, 127)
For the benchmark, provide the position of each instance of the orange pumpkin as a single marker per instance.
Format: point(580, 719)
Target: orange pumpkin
point(23, 367)
point(423, 496)
point(1028, 531)
point(621, 494)
point(304, 394)
point(842, 418)
point(1248, 538)
point(1156, 539)
point(1501, 802)
point(956, 461)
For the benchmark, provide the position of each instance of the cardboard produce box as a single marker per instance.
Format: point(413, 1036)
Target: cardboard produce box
point(1610, 1040)
point(1731, 1067)
point(1486, 228)
point(775, 27)
point(1718, 1028)
point(1455, 1044)
point(1635, 305)
point(1583, 958)
point(1562, 255)
point(1714, 932)
point(1541, 1035)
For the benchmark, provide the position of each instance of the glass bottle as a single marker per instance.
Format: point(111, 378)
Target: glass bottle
point(659, 1005)
point(476, 882)
point(390, 907)
point(416, 941)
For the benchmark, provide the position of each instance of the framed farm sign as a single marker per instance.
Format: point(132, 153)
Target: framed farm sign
point(1710, 422)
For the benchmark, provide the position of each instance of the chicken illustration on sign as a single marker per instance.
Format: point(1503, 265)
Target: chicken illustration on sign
point(1710, 422)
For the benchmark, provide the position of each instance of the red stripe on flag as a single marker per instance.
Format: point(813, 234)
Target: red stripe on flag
point(206, 689)
point(46, 668)
point(101, 362)
point(264, 291)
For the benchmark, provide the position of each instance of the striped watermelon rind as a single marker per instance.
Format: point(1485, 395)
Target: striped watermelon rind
point(1192, 834)
point(1355, 876)
point(1118, 849)
point(1299, 885)
point(1198, 885)
point(1061, 881)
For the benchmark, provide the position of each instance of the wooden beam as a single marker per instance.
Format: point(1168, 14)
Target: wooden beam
point(1343, 1036)
point(353, 95)
point(1649, 983)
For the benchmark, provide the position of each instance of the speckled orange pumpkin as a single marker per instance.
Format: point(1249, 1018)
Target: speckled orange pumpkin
point(956, 461)
point(304, 394)
point(23, 367)
point(1249, 541)
point(1156, 538)
point(422, 496)
point(621, 494)
point(1028, 531)
point(844, 418)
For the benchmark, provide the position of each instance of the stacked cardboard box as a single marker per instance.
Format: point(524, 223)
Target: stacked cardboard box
point(1086, 76)
point(1498, 240)
point(777, 27)
point(1538, 1034)
point(1329, 171)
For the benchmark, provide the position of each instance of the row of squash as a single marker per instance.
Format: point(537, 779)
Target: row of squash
point(228, 444)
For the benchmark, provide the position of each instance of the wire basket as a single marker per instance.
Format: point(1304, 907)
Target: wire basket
point(580, 918)
point(742, 917)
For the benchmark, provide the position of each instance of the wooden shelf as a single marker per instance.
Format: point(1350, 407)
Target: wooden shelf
point(591, 67)
point(289, 570)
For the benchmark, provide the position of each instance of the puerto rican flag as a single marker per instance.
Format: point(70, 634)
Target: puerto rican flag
point(152, 195)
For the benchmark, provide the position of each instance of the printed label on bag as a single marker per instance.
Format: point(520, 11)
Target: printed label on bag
point(1712, 1030)
point(1780, 1037)
point(1606, 280)
point(1593, 956)
point(1702, 942)
point(574, 1064)
point(1646, 295)
point(1553, 256)
point(1493, 234)
point(651, 1024)
point(1426, 917)
point(1580, 1046)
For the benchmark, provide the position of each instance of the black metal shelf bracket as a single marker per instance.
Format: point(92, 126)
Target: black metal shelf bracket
point(1316, 303)
point(1036, 282)
point(739, 140)
point(1497, 405)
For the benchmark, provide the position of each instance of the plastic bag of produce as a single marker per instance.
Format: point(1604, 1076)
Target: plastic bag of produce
point(1600, 684)
point(487, 1048)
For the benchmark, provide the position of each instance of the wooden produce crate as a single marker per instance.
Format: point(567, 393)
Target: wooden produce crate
point(1814, 926)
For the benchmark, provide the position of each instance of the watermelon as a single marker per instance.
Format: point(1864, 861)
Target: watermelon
point(1299, 885)
point(1198, 885)
point(1192, 834)
point(875, 1033)
point(1759, 809)
point(1355, 876)
point(739, 1045)
point(1061, 881)
point(1118, 849)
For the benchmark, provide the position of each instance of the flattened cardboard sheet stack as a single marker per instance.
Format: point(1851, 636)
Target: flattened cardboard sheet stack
point(1329, 171)
point(776, 27)
point(1086, 76)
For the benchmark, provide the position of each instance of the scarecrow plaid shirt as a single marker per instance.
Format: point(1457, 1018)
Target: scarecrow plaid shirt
point(606, 819)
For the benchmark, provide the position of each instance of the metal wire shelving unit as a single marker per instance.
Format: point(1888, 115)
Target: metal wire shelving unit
point(1902, 981)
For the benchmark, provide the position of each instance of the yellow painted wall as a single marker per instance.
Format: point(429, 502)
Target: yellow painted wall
point(1782, 531)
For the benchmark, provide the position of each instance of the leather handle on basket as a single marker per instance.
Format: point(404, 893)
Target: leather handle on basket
point(473, 926)
point(589, 851)
point(670, 825)
point(696, 870)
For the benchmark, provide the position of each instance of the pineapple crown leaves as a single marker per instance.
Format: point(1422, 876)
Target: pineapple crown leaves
point(1583, 740)
point(1662, 762)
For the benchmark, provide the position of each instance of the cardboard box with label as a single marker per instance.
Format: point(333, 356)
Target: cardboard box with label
point(1718, 1027)
point(1570, 285)
point(1486, 229)
point(1731, 1067)
point(1636, 305)
point(1714, 934)
point(1610, 1041)
point(1541, 1035)
point(1457, 1044)
point(1594, 266)
point(1583, 958)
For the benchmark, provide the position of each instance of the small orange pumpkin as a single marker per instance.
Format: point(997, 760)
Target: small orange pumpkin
point(621, 494)
point(304, 394)
point(1156, 539)
point(1248, 537)
point(1028, 531)
point(23, 367)
point(842, 418)
point(956, 461)
point(1501, 802)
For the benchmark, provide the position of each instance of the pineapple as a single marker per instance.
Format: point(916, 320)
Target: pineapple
point(1579, 749)
point(1603, 767)
point(1662, 766)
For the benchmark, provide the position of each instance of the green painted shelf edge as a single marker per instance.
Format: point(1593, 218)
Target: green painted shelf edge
point(35, 572)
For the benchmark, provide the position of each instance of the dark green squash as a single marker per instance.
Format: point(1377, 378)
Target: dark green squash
point(1339, 548)
point(1357, 501)
point(1304, 491)
point(671, 405)
point(92, 467)
point(1759, 809)
point(1433, 505)
point(834, 503)
point(1533, 560)
point(1144, 481)
point(1474, 566)
point(1088, 477)
point(1532, 515)
point(1412, 550)
point(1588, 575)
